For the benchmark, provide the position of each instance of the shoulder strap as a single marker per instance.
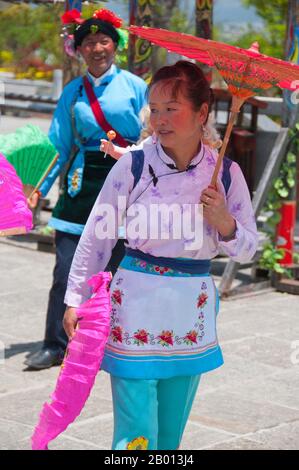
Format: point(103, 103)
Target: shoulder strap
point(137, 165)
point(226, 176)
point(98, 113)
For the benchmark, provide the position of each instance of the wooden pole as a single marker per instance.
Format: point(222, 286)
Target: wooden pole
point(236, 105)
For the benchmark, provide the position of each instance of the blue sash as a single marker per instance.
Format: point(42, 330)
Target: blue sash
point(184, 265)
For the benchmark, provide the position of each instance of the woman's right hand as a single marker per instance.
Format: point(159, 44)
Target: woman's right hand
point(33, 200)
point(70, 321)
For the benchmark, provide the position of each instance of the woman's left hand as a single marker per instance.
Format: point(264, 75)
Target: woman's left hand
point(216, 213)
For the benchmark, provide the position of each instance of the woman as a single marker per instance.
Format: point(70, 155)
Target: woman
point(163, 323)
point(76, 131)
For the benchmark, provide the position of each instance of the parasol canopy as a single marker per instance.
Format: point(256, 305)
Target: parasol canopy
point(80, 366)
point(247, 72)
point(15, 215)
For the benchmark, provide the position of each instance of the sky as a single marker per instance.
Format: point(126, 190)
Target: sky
point(225, 11)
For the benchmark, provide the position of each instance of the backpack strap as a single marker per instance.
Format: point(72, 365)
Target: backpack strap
point(226, 176)
point(137, 165)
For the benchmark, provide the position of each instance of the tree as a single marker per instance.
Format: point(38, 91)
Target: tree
point(32, 35)
point(272, 38)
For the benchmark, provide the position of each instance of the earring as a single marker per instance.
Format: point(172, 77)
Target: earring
point(205, 132)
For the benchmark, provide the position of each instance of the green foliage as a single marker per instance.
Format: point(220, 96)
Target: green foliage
point(270, 258)
point(31, 29)
point(272, 37)
point(273, 11)
point(281, 189)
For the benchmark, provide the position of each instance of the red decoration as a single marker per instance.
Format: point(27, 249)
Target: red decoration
point(285, 231)
point(108, 16)
point(72, 16)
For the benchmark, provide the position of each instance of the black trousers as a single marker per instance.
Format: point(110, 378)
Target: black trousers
point(66, 244)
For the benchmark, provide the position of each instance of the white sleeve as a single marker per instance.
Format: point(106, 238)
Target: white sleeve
point(100, 233)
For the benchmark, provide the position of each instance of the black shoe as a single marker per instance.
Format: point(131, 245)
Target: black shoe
point(45, 358)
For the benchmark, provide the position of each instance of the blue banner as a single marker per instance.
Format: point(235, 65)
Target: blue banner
point(75, 4)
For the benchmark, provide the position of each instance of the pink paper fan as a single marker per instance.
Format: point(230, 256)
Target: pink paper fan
point(15, 215)
point(81, 364)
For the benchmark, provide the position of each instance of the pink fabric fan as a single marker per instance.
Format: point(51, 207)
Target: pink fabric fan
point(81, 364)
point(15, 215)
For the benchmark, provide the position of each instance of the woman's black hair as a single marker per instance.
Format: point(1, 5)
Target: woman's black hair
point(187, 78)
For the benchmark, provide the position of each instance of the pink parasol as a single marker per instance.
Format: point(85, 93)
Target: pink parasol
point(246, 71)
point(81, 364)
point(15, 215)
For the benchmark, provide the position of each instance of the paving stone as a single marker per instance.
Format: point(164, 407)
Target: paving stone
point(249, 403)
point(98, 432)
point(235, 371)
point(12, 434)
point(262, 349)
point(276, 389)
point(229, 411)
point(238, 444)
point(11, 382)
point(198, 437)
point(283, 437)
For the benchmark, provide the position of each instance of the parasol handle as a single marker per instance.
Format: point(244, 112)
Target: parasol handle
point(44, 175)
point(236, 105)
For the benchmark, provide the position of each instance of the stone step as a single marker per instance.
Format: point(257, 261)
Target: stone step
point(291, 286)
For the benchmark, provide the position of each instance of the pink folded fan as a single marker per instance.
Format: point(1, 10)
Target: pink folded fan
point(81, 364)
point(15, 216)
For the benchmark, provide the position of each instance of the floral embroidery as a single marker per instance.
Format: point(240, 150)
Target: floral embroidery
point(191, 337)
point(117, 334)
point(202, 300)
point(75, 180)
point(161, 270)
point(139, 443)
point(152, 268)
point(117, 185)
point(208, 230)
point(155, 192)
point(236, 207)
point(210, 160)
point(141, 337)
point(166, 338)
point(116, 296)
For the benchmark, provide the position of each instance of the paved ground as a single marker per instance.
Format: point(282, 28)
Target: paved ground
point(252, 402)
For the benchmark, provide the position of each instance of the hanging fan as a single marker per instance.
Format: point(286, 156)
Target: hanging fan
point(15, 216)
point(32, 155)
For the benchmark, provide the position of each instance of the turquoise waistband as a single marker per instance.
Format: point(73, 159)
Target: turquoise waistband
point(135, 264)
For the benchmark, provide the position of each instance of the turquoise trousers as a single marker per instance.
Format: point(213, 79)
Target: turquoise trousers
point(151, 414)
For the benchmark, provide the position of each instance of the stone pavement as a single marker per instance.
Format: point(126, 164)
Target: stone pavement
point(252, 402)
